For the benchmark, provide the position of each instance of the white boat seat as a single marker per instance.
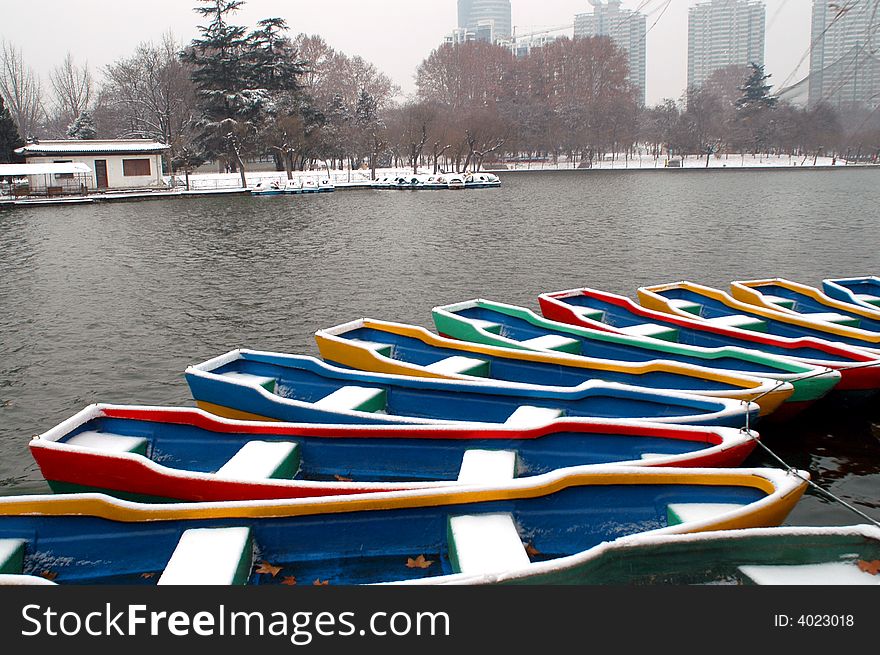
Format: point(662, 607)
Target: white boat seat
point(834, 317)
point(555, 342)
point(740, 321)
point(677, 513)
point(527, 416)
point(19, 579)
point(685, 305)
point(868, 298)
point(11, 555)
point(360, 399)
point(261, 460)
point(488, 326)
point(824, 573)
point(652, 330)
point(109, 442)
point(383, 349)
point(210, 556)
point(458, 365)
point(788, 303)
point(590, 314)
point(253, 380)
point(485, 543)
point(487, 466)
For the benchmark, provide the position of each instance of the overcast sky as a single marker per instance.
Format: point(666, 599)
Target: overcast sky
point(396, 35)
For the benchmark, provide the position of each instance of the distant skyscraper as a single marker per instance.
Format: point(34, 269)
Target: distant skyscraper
point(844, 69)
point(627, 29)
point(723, 33)
point(473, 14)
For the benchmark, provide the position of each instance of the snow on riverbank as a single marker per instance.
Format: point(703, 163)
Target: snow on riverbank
point(343, 178)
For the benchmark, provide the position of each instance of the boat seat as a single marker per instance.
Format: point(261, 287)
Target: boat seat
point(868, 298)
point(824, 573)
point(109, 442)
point(555, 342)
point(527, 416)
point(383, 349)
point(678, 513)
point(360, 399)
point(261, 460)
point(20, 579)
point(253, 380)
point(740, 321)
point(685, 305)
point(488, 326)
point(11, 555)
point(487, 466)
point(457, 365)
point(590, 314)
point(653, 330)
point(485, 543)
point(788, 303)
point(834, 317)
point(210, 556)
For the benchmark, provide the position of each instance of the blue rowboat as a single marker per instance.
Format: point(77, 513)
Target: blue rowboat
point(509, 326)
point(805, 301)
point(832, 555)
point(719, 308)
point(253, 385)
point(379, 537)
point(861, 291)
point(164, 453)
point(600, 310)
point(396, 348)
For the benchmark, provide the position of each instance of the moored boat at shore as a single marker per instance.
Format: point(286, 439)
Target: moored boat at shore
point(718, 307)
point(600, 310)
point(182, 454)
point(860, 291)
point(509, 326)
point(253, 385)
point(381, 346)
point(380, 537)
point(830, 555)
point(805, 301)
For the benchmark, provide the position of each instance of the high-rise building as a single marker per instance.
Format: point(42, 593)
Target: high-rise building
point(627, 29)
point(474, 14)
point(724, 33)
point(844, 69)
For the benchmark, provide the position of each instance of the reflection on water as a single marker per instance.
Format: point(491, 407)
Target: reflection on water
point(110, 303)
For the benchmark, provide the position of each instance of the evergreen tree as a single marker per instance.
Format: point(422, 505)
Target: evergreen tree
point(9, 137)
point(273, 61)
point(83, 127)
point(756, 92)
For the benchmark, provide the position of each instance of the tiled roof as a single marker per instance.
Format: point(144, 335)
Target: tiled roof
point(86, 146)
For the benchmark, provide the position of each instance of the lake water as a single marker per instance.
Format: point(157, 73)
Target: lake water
point(110, 303)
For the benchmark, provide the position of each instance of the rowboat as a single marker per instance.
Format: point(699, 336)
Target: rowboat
point(718, 307)
point(253, 385)
point(600, 310)
point(481, 181)
point(806, 301)
point(379, 537)
point(372, 345)
point(509, 326)
point(160, 453)
point(861, 291)
point(846, 555)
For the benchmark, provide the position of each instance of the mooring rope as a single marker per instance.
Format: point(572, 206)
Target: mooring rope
point(790, 469)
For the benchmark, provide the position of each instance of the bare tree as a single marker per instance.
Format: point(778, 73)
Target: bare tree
point(73, 86)
point(21, 89)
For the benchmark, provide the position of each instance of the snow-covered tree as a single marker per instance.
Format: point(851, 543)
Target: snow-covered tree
point(83, 127)
point(9, 136)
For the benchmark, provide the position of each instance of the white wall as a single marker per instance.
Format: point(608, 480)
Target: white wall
point(115, 177)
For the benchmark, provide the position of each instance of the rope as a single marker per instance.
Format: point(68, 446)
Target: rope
point(790, 469)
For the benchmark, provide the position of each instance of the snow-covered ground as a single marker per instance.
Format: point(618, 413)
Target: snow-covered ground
point(204, 181)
